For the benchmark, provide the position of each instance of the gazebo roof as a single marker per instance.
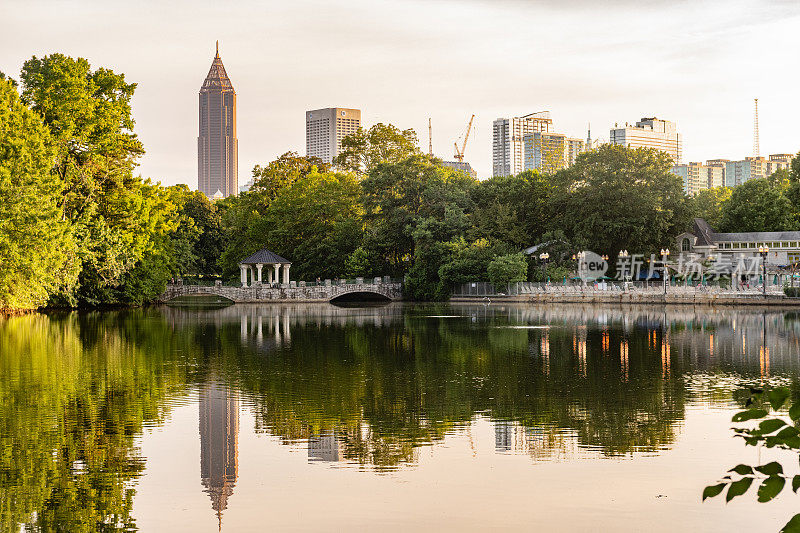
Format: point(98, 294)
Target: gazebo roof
point(265, 257)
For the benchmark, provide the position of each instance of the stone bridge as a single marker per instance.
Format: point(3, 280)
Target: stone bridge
point(388, 291)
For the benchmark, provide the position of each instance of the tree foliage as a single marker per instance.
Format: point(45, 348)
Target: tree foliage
point(758, 205)
point(35, 244)
point(365, 150)
point(616, 198)
point(765, 406)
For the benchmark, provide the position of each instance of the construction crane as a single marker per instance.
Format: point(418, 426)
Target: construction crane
point(459, 155)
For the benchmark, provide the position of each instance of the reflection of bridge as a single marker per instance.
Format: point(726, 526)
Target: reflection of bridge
point(274, 293)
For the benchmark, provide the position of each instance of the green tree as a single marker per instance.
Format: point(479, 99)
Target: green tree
point(467, 262)
point(365, 150)
point(116, 219)
point(756, 205)
point(512, 209)
point(35, 244)
point(709, 204)
point(617, 198)
point(507, 269)
point(317, 222)
point(283, 172)
point(398, 196)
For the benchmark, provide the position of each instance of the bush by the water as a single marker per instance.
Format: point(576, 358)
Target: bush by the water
point(792, 292)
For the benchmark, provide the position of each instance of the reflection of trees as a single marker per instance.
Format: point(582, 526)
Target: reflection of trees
point(76, 389)
point(385, 390)
point(75, 394)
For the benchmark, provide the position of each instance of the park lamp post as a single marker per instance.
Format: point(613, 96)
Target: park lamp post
point(623, 254)
point(664, 254)
point(763, 251)
point(581, 258)
point(544, 258)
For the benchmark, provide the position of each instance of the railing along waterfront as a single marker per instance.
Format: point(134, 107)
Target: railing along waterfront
point(651, 287)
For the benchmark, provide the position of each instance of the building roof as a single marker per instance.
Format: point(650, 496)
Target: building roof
point(217, 77)
point(265, 257)
point(706, 235)
point(704, 232)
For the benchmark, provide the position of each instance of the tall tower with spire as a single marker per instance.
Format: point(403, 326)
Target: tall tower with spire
point(217, 145)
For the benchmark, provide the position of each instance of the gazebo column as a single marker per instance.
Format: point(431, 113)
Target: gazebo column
point(277, 273)
point(244, 275)
point(252, 275)
point(286, 273)
point(259, 266)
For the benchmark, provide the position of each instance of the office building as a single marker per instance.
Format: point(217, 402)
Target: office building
point(217, 145)
point(508, 139)
point(325, 129)
point(650, 133)
point(549, 152)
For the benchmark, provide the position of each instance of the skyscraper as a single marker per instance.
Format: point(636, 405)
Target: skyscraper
point(650, 133)
point(325, 129)
point(217, 145)
point(508, 134)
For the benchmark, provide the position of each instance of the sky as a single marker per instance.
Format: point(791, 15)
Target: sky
point(698, 63)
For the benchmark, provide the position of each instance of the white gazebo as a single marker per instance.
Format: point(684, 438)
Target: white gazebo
point(255, 264)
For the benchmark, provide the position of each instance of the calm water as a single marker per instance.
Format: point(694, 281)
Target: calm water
point(467, 417)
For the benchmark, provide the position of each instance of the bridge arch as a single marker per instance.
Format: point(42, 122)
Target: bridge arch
point(360, 296)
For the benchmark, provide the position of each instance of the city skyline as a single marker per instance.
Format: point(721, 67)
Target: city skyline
point(598, 64)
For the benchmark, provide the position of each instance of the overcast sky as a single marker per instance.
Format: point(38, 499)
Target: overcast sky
point(698, 63)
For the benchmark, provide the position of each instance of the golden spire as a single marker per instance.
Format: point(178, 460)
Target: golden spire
point(217, 48)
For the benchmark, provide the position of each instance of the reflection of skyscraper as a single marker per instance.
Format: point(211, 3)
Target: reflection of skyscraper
point(324, 448)
point(219, 439)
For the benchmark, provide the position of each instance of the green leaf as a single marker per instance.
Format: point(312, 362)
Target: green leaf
point(788, 431)
point(750, 414)
point(794, 411)
point(770, 469)
point(714, 490)
point(777, 397)
point(738, 488)
point(770, 488)
point(742, 470)
point(768, 426)
point(796, 483)
point(793, 525)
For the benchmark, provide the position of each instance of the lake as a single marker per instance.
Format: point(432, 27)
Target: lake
point(395, 417)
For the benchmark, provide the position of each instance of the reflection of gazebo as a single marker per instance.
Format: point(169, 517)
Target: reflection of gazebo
point(257, 261)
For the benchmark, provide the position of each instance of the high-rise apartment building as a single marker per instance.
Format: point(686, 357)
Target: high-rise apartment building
point(217, 145)
point(738, 172)
point(549, 152)
point(325, 129)
point(650, 133)
point(697, 176)
point(508, 139)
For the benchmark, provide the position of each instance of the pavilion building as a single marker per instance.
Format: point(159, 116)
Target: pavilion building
point(254, 266)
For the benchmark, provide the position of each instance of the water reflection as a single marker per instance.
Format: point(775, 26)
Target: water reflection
point(365, 387)
point(219, 440)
